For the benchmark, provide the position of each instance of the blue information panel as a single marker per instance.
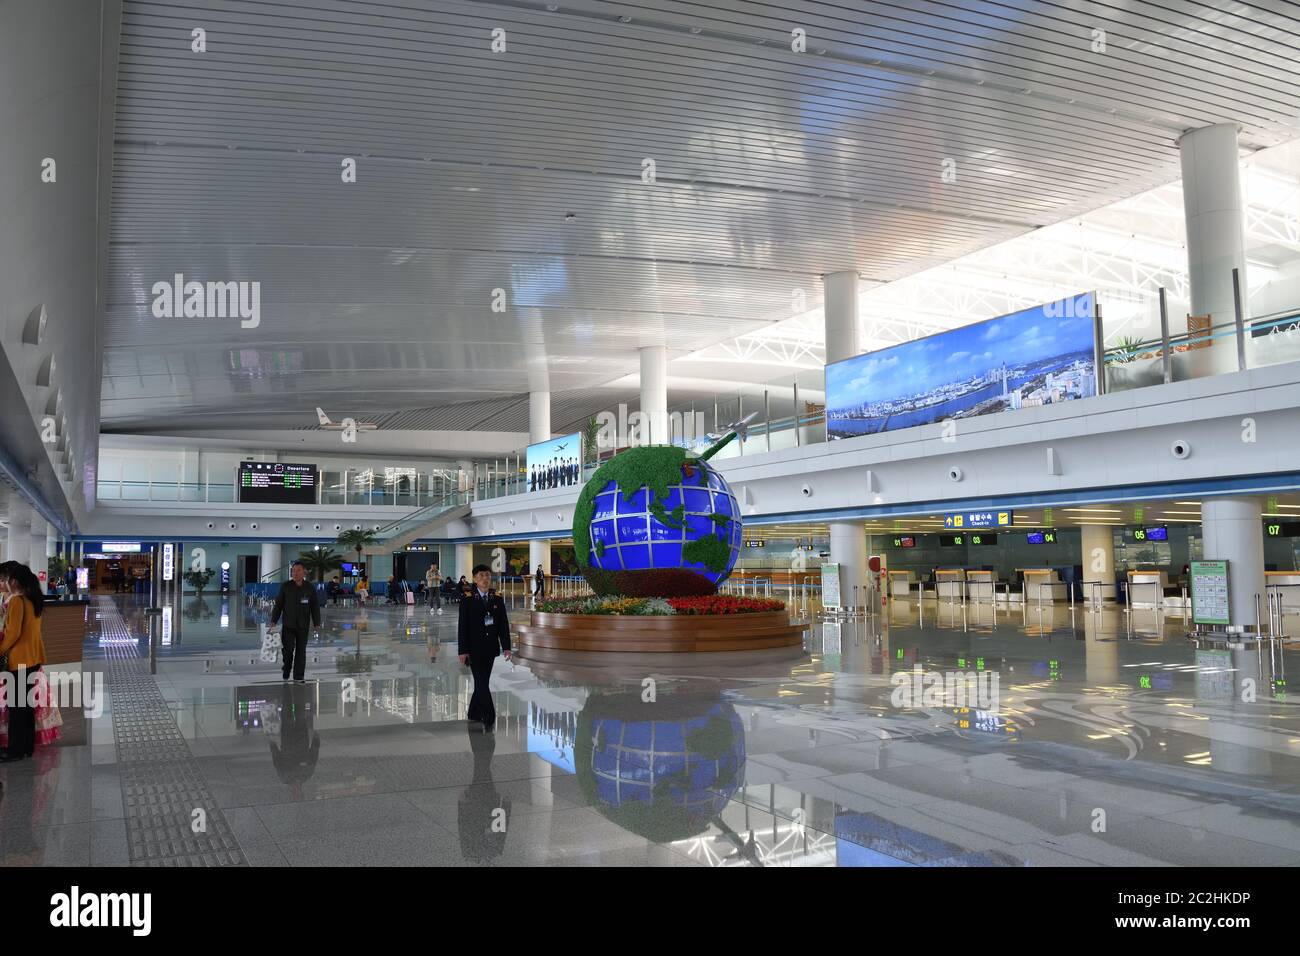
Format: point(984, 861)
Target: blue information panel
point(980, 519)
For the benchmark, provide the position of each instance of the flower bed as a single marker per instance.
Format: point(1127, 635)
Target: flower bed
point(655, 606)
point(724, 604)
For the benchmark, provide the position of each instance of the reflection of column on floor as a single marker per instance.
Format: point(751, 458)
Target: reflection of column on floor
point(1100, 653)
point(1232, 530)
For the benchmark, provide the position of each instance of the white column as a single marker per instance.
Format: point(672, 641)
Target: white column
point(466, 474)
point(1098, 561)
point(464, 561)
point(19, 538)
point(654, 391)
point(271, 560)
point(1232, 530)
point(1215, 244)
point(51, 540)
point(37, 560)
point(539, 552)
point(539, 417)
point(848, 538)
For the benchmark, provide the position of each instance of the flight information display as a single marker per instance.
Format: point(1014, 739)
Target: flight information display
point(276, 483)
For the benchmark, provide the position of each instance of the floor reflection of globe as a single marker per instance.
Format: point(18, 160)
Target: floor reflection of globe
point(695, 527)
point(664, 779)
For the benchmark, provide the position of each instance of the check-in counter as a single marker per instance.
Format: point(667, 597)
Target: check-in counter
point(982, 586)
point(1043, 586)
point(1147, 588)
point(950, 583)
point(63, 629)
point(900, 583)
point(1284, 587)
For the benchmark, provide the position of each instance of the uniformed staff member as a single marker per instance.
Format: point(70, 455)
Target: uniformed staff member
point(481, 634)
point(298, 604)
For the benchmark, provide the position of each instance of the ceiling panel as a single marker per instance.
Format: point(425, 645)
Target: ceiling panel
point(771, 168)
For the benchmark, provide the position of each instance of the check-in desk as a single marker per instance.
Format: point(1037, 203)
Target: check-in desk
point(950, 583)
point(1147, 588)
point(63, 629)
point(1284, 592)
point(1043, 586)
point(900, 583)
point(982, 586)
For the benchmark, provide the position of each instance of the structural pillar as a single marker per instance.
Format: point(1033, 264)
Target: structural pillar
point(539, 417)
point(1231, 530)
point(654, 393)
point(539, 552)
point(37, 560)
point(848, 538)
point(1215, 238)
point(1098, 561)
point(18, 545)
point(271, 560)
point(51, 540)
point(465, 561)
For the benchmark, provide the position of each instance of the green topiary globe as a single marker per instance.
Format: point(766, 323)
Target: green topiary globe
point(656, 522)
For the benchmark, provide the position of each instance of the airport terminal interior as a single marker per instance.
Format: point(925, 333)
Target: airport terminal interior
point(871, 430)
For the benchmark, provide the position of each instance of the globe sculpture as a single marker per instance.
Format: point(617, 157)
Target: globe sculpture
point(661, 770)
point(656, 521)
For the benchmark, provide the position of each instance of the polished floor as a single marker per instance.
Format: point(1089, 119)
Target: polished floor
point(1115, 740)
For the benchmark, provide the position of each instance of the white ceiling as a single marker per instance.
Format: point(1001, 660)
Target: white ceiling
point(772, 168)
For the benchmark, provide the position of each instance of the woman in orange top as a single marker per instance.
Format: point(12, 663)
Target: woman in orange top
point(23, 652)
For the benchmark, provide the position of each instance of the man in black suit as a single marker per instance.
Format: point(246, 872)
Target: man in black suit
point(481, 634)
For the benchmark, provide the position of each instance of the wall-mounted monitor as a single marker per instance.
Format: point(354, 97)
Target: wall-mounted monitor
point(974, 538)
point(904, 541)
point(1281, 529)
point(1041, 537)
point(981, 539)
point(554, 464)
point(276, 483)
point(1155, 533)
point(1040, 356)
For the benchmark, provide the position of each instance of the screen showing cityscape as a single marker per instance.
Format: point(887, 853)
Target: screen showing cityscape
point(1040, 356)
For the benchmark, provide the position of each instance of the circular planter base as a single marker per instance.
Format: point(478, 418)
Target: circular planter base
point(669, 634)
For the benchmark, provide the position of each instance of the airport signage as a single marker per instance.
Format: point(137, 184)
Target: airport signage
point(276, 483)
point(1282, 529)
point(168, 561)
point(1210, 592)
point(121, 547)
point(1158, 533)
point(831, 586)
point(979, 519)
point(1041, 537)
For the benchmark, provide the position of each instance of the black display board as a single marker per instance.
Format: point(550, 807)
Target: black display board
point(276, 483)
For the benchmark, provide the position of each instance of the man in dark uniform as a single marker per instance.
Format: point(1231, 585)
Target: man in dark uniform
point(481, 634)
point(297, 602)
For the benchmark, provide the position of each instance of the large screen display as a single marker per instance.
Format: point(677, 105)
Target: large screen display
point(276, 483)
point(1041, 356)
point(555, 464)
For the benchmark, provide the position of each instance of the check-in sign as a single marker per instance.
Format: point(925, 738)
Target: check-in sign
point(980, 519)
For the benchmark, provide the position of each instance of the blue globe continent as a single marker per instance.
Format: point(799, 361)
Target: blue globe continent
point(646, 532)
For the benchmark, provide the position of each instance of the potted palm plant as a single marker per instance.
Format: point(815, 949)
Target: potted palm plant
point(357, 540)
point(321, 562)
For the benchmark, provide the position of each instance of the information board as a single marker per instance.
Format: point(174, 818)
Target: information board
point(168, 561)
point(276, 483)
point(1210, 592)
point(980, 519)
point(831, 586)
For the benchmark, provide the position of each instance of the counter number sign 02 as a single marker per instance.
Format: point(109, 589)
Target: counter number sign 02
point(168, 561)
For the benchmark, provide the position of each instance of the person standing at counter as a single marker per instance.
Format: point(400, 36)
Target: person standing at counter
point(22, 654)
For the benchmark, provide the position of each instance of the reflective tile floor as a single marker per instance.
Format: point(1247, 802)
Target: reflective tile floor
point(1107, 740)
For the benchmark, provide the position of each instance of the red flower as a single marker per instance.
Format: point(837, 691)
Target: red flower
point(724, 604)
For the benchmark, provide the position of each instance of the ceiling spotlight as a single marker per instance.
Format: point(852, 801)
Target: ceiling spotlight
point(570, 217)
point(624, 19)
point(697, 29)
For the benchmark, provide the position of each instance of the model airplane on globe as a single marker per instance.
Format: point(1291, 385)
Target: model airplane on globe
point(738, 429)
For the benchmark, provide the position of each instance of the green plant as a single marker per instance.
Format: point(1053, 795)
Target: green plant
point(198, 580)
point(1128, 349)
point(58, 567)
point(322, 562)
point(591, 440)
point(358, 541)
